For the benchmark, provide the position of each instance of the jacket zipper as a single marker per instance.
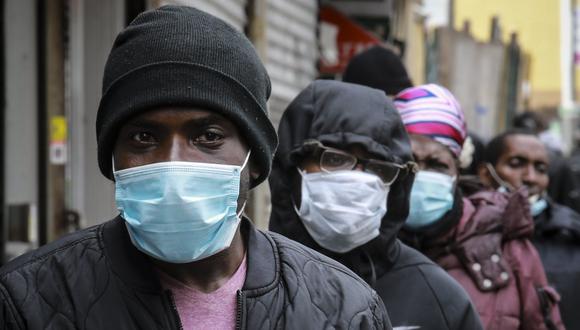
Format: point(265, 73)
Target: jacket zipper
point(240, 309)
point(174, 310)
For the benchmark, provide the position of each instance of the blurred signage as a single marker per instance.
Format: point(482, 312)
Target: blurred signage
point(58, 137)
point(340, 40)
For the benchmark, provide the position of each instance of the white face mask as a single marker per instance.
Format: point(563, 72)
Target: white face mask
point(342, 210)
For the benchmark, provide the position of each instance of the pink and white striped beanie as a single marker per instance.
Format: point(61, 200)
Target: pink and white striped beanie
point(432, 110)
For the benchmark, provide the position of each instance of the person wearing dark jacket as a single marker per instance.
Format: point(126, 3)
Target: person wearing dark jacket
point(183, 131)
point(482, 240)
point(518, 158)
point(572, 198)
point(380, 68)
point(340, 184)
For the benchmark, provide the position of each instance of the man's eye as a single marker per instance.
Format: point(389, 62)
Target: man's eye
point(515, 162)
point(436, 165)
point(542, 168)
point(335, 160)
point(209, 137)
point(143, 137)
point(332, 161)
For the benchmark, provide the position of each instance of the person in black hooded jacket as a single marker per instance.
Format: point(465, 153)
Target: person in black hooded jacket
point(340, 184)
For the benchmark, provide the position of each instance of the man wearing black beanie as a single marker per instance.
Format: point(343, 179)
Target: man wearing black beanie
point(380, 68)
point(183, 131)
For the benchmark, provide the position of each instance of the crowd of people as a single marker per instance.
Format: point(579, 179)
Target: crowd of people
point(387, 212)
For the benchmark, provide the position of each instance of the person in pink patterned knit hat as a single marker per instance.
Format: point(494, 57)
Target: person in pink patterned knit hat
point(482, 240)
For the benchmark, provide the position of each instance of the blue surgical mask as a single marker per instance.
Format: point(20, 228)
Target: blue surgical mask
point(537, 205)
point(431, 198)
point(180, 212)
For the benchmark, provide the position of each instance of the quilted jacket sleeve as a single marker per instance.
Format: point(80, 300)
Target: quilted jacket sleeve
point(373, 318)
point(7, 312)
point(381, 318)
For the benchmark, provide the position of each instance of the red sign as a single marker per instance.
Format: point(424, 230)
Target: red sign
point(351, 39)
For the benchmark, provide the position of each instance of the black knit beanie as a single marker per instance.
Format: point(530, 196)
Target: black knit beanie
point(379, 68)
point(183, 57)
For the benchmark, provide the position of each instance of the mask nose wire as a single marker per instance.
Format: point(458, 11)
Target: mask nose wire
point(243, 165)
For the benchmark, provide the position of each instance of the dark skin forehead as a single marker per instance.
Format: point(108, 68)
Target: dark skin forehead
point(528, 147)
point(431, 155)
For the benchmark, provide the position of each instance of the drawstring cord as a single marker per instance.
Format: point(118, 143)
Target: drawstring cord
point(373, 271)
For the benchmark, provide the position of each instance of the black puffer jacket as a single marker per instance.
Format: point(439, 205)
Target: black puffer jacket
point(339, 114)
point(557, 239)
point(96, 279)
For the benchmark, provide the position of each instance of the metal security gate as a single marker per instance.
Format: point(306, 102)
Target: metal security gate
point(285, 34)
point(3, 235)
point(291, 50)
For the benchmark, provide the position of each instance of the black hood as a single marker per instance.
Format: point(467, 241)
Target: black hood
point(340, 114)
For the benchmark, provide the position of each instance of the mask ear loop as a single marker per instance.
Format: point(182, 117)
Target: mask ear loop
point(497, 179)
point(238, 214)
point(246, 160)
point(242, 209)
point(296, 210)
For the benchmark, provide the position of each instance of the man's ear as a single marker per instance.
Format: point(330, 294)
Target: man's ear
point(485, 175)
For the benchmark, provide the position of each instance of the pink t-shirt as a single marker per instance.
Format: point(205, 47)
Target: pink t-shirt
point(199, 310)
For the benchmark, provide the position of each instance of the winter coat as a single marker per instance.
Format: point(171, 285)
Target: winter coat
point(564, 184)
point(570, 193)
point(341, 115)
point(489, 252)
point(557, 239)
point(96, 279)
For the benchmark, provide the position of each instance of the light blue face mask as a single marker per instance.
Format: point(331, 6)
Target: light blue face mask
point(180, 212)
point(431, 198)
point(537, 205)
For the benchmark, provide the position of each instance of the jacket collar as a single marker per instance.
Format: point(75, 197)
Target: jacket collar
point(136, 270)
point(263, 260)
point(557, 218)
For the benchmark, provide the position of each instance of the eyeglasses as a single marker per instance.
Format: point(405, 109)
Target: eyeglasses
point(331, 160)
